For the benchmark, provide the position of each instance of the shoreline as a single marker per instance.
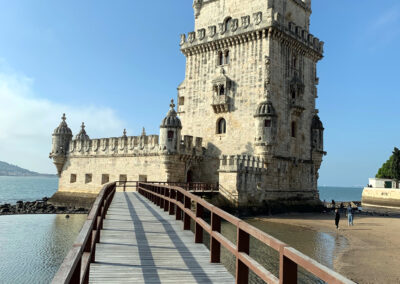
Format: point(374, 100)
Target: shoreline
point(372, 255)
point(38, 207)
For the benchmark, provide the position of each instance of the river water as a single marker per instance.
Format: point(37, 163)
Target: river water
point(32, 247)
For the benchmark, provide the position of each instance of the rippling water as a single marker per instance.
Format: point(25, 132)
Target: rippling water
point(340, 193)
point(13, 189)
point(32, 247)
point(321, 246)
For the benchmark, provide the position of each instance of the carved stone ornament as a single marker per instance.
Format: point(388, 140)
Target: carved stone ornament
point(268, 70)
point(258, 18)
point(222, 28)
point(277, 17)
point(183, 39)
point(191, 36)
point(235, 25)
point(245, 21)
point(212, 30)
point(201, 33)
point(197, 4)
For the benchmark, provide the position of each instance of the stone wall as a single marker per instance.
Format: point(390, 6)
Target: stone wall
point(381, 197)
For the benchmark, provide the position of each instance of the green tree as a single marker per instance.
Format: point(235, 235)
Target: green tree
point(391, 168)
point(386, 170)
point(395, 166)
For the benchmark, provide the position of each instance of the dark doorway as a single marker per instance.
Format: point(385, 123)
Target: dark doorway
point(189, 176)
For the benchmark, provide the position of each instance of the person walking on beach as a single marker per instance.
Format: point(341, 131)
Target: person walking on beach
point(349, 215)
point(337, 218)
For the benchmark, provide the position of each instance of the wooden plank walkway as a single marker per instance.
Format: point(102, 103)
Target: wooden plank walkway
point(140, 243)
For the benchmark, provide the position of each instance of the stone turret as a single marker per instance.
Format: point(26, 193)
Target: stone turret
point(170, 131)
point(317, 134)
point(82, 134)
point(197, 5)
point(62, 136)
point(266, 128)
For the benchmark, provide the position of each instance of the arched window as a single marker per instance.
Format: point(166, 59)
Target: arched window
point(267, 123)
point(226, 56)
point(170, 135)
point(220, 58)
point(221, 90)
point(294, 130)
point(293, 94)
point(294, 62)
point(221, 126)
point(215, 89)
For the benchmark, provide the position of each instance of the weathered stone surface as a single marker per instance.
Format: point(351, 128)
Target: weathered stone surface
point(249, 92)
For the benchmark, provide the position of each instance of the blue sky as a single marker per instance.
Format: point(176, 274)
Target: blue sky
point(116, 64)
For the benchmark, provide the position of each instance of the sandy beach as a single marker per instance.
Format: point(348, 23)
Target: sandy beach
point(373, 254)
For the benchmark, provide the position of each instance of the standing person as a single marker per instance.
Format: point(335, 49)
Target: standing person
point(337, 218)
point(349, 215)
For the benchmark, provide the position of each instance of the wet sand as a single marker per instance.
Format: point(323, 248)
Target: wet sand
point(373, 254)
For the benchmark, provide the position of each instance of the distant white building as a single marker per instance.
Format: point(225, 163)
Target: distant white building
point(383, 183)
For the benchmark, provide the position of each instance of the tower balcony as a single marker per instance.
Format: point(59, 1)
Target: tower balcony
point(220, 103)
point(296, 107)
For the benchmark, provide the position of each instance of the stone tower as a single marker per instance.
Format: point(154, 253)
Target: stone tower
point(250, 92)
point(170, 131)
point(62, 136)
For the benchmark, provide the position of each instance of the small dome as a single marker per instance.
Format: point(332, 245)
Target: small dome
point(171, 120)
point(316, 123)
point(63, 127)
point(265, 108)
point(82, 134)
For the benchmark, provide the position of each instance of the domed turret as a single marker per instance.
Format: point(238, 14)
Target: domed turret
point(62, 135)
point(265, 109)
point(316, 123)
point(82, 134)
point(170, 131)
point(317, 134)
point(171, 120)
point(266, 125)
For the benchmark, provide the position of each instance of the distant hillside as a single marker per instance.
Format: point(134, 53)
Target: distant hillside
point(11, 170)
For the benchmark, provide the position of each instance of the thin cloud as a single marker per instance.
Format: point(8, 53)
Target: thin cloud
point(27, 121)
point(384, 29)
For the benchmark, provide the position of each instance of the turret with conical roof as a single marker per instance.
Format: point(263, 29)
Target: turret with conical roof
point(82, 134)
point(266, 128)
point(317, 134)
point(170, 131)
point(62, 136)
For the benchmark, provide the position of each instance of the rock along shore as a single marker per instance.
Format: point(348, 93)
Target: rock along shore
point(38, 207)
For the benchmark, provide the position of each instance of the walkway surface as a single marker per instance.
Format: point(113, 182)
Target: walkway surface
point(140, 243)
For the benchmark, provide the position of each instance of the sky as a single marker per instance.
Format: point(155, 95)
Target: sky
point(117, 64)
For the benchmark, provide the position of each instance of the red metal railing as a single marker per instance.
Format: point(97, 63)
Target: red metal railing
point(178, 202)
point(75, 267)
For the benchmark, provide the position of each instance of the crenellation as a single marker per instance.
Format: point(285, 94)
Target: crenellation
point(248, 95)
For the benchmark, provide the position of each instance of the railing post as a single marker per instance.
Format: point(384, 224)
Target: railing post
point(287, 269)
point(166, 202)
point(215, 246)
point(243, 245)
point(76, 277)
point(198, 233)
point(178, 215)
point(186, 217)
point(162, 201)
point(172, 193)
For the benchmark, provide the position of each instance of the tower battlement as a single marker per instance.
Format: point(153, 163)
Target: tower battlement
point(249, 92)
point(247, 28)
point(239, 163)
point(130, 145)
